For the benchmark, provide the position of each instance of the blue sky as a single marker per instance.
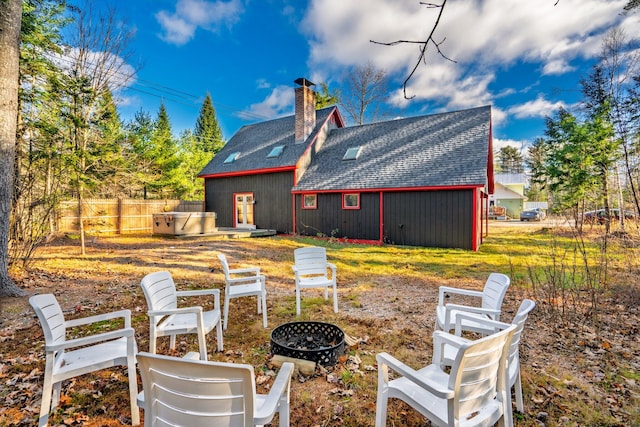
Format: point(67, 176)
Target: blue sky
point(525, 58)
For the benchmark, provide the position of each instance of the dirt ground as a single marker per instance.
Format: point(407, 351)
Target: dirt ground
point(568, 372)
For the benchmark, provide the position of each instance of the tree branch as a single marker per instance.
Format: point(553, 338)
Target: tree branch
point(424, 44)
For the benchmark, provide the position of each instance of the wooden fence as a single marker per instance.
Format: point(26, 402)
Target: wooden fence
point(119, 216)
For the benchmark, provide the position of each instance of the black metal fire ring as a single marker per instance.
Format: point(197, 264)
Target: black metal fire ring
point(318, 342)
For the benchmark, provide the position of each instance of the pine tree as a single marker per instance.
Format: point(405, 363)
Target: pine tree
point(207, 131)
point(165, 156)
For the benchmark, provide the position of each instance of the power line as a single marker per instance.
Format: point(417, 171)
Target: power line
point(166, 92)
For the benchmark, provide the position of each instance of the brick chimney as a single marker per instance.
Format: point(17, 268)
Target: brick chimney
point(305, 109)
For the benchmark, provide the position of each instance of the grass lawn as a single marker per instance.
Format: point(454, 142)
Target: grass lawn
point(580, 367)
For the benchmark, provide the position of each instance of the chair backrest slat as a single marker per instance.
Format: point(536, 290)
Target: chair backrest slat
point(478, 371)
point(311, 260)
point(494, 291)
point(50, 316)
point(225, 265)
point(519, 320)
point(194, 392)
point(159, 291)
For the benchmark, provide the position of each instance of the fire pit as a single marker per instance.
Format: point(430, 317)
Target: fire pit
point(318, 342)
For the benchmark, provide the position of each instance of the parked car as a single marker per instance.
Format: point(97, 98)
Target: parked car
point(600, 216)
point(531, 215)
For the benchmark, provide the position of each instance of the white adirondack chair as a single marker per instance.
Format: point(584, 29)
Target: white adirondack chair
point(69, 358)
point(445, 354)
point(490, 306)
point(312, 271)
point(200, 393)
point(243, 282)
point(474, 393)
point(166, 319)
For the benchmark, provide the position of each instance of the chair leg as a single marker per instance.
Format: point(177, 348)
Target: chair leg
point(45, 405)
point(262, 299)
point(226, 312)
point(152, 339)
point(259, 303)
point(507, 417)
point(518, 388)
point(297, 301)
point(283, 411)
point(133, 390)
point(381, 408)
point(55, 395)
point(335, 299)
point(172, 342)
point(219, 337)
point(202, 344)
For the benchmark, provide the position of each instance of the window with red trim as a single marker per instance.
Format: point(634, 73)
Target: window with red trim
point(351, 201)
point(309, 201)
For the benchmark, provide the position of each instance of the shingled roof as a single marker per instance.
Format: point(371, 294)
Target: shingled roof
point(448, 149)
point(255, 142)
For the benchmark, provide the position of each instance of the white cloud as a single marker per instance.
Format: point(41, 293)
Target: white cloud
point(278, 103)
point(180, 26)
point(540, 107)
point(498, 144)
point(483, 37)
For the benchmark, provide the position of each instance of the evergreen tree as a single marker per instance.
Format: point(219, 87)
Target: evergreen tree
point(207, 131)
point(535, 162)
point(37, 188)
point(139, 145)
point(326, 98)
point(165, 156)
point(510, 160)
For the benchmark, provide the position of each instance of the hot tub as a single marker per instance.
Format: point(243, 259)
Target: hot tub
point(182, 223)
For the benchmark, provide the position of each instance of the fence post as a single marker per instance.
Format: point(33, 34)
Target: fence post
point(120, 219)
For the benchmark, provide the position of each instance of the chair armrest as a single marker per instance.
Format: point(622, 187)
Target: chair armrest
point(498, 326)
point(279, 388)
point(442, 339)
point(333, 268)
point(471, 309)
point(246, 279)
point(386, 361)
point(195, 309)
point(199, 292)
point(442, 290)
point(92, 339)
point(125, 314)
point(254, 270)
point(448, 308)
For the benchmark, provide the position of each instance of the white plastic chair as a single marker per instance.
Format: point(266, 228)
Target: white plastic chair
point(200, 393)
point(445, 354)
point(490, 306)
point(243, 282)
point(311, 270)
point(166, 319)
point(69, 358)
point(474, 393)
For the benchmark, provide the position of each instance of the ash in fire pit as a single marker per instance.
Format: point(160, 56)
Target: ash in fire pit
point(318, 342)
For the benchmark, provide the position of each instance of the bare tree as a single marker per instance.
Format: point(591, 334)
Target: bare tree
point(10, 21)
point(424, 44)
point(97, 65)
point(365, 95)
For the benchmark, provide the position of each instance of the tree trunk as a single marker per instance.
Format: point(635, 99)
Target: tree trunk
point(10, 21)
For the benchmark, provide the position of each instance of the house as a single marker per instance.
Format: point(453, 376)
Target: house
point(421, 181)
point(509, 193)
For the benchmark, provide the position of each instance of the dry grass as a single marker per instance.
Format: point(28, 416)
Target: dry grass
point(387, 296)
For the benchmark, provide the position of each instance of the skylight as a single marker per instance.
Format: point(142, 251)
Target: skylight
point(352, 153)
point(232, 157)
point(276, 151)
